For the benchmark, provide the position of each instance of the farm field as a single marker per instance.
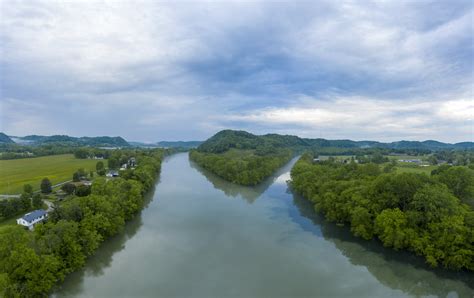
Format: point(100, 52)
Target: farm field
point(58, 168)
point(404, 168)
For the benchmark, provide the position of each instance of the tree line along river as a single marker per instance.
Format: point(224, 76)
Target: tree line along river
point(201, 236)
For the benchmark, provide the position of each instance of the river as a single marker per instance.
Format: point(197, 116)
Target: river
point(200, 236)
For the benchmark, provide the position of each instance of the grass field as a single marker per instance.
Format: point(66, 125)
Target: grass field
point(415, 169)
point(58, 168)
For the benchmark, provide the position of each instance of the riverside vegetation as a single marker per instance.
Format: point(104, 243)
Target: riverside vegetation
point(431, 216)
point(31, 263)
point(429, 213)
point(244, 158)
point(245, 167)
point(241, 157)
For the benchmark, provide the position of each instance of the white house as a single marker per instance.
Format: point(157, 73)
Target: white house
point(86, 182)
point(30, 219)
point(111, 174)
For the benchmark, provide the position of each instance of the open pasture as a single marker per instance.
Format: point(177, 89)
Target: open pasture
point(15, 173)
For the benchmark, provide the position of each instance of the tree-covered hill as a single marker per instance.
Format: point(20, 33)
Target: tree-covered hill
point(5, 139)
point(104, 141)
point(179, 144)
point(243, 158)
point(226, 139)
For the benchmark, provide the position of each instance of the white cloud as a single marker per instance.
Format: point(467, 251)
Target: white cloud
point(19, 117)
point(383, 69)
point(367, 118)
point(457, 110)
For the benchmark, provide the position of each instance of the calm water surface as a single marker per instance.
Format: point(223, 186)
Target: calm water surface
point(201, 236)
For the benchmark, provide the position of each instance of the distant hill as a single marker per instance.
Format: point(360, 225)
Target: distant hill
point(167, 144)
point(227, 139)
point(104, 141)
point(143, 145)
point(5, 139)
point(179, 144)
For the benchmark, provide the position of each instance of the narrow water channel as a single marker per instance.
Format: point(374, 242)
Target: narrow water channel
point(201, 236)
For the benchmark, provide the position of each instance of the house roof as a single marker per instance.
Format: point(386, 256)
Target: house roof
point(29, 217)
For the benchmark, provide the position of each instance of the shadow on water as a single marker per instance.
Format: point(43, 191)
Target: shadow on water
point(103, 257)
point(397, 270)
point(248, 193)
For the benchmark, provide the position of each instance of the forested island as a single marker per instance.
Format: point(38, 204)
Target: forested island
point(241, 157)
point(430, 215)
point(33, 262)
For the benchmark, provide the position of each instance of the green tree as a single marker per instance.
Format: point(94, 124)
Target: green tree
point(432, 160)
point(25, 199)
point(391, 227)
point(362, 223)
point(27, 188)
point(76, 177)
point(99, 166)
point(83, 190)
point(432, 203)
point(46, 186)
point(37, 201)
point(69, 188)
point(460, 181)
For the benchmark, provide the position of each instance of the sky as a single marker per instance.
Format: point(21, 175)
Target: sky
point(151, 71)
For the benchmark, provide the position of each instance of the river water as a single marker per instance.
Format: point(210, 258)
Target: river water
point(200, 236)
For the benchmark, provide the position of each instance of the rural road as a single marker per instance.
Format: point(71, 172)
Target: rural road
point(9, 196)
point(50, 205)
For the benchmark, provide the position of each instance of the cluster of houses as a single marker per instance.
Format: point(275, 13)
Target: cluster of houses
point(416, 161)
point(30, 219)
point(344, 160)
point(130, 164)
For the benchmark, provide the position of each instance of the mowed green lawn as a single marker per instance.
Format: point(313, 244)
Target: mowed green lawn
point(58, 168)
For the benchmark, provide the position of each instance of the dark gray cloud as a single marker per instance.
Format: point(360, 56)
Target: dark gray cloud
point(183, 70)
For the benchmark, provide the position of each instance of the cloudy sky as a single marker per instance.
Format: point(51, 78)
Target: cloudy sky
point(149, 71)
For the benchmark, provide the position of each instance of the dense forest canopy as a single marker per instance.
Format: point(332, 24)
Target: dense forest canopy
point(36, 140)
point(227, 139)
point(241, 166)
point(432, 216)
point(5, 139)
point(243, 158)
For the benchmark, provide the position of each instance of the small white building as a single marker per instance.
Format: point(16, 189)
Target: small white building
point(30, 219)
point(111, 174)
point(86, 182)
